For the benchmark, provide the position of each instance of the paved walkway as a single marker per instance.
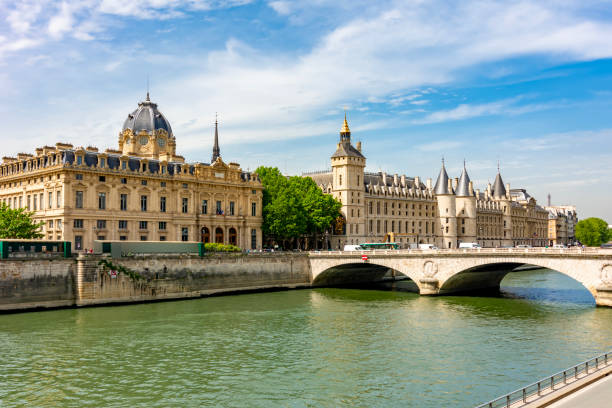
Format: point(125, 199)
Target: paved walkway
point(596, 395)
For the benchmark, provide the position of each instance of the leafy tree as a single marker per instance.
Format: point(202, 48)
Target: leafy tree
point(592, 231)
point(17, 223)
point(294, 207)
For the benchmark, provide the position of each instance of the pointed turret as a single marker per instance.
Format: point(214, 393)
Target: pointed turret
point(345, 148)
point(442, 184)
point(345, 132)
point(216, 151)
point(463, 187)
point(499, 190)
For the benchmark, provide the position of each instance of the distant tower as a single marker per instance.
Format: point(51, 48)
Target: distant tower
point(216, 151)
point(347, 183)
point(466, 208)
point(502, 195)
point(549, 199)
point(447, 213)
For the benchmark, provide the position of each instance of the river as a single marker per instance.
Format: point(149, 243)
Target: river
point(303, 348)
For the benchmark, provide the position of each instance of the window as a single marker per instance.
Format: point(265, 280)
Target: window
point(162, 237)
point(219, 210)
point(35, 202)
point(50, 224)
point(143, 182)
point(102, 178)
point(123, 238)
point(143, 237)
point(463, 230)
point(185, 206)
point(162, 184)
point(231, 208)
point(78, 242)
point(101, 224)
point(79, 160)
point(58, 199)
point(78, 199)
point(102, 162)
point(123, 165)
point(162, 225)
point(162, 204)
point(123, 180)
point(101, 237)
point(28, 202)
point(123, 200)
point(143, 203)
point(184, 185)
point(204, 206)
point(77, 223)
point(340, 179)
point(49, 203)
point(253, 239)
point(185, 234)
point(123, 224)
point(142, 225)
point(78, 176)
point(102, 201)
point(254, 209)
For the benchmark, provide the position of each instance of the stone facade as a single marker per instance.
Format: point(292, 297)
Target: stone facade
point(142, 191)
point(562, 220)
point(378, 207)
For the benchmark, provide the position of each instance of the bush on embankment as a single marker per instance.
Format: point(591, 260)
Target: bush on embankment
point(214, 247)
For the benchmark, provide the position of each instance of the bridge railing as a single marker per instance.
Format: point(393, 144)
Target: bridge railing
point(547, 385)
point(537, 250)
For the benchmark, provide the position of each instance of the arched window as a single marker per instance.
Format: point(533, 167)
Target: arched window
point(233, 236)
point(219, 235)
point(205, 235)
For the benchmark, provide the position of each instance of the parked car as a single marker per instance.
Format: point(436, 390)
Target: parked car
point(606, 246)
point(427, 246)
point(353, 248)
point(559, 246)
point(523, 246)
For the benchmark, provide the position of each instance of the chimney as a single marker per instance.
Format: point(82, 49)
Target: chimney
point(403, 180)
point(417, 182)
point(450, 185)
point(477, 192)
point(429, 184)
point(384, 178)
point(455, 183)
point(395, 179)
point(471, 188)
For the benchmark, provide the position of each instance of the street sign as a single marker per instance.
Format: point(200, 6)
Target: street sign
point(364, 258)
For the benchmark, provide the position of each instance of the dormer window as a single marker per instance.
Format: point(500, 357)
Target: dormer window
point(123, 164)
point(79, 160)
point(102, 162)
point(163, 169)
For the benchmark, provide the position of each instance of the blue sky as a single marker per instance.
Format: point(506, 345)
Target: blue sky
point(525, 83)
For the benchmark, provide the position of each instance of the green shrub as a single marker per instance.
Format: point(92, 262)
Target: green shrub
point(214, 247)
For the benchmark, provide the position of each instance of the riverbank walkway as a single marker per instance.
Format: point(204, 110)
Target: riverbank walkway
point(587, 384)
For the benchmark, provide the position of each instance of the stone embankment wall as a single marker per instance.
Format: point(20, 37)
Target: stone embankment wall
point(32, 283)
point(36, 283)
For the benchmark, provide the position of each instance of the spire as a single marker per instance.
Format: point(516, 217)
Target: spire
point(499, 190)
point(216, 151)
point(148, 99)
point(441, 187)
point(345, 132)
point(463, 187)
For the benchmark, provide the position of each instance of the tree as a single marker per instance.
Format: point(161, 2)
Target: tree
point(592, 231)
point(294, 207)
point(17, 223)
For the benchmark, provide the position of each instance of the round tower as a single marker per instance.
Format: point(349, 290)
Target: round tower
point(466, 209)
point(502, 195)
point(447, 210)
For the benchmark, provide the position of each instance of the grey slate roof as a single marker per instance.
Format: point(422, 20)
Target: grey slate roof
point(441, 186)
point(463, 187)
point(499, 190)
point(346, 149)
point(147, 118)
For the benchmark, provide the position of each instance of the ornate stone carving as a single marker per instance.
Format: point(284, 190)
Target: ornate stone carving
point(606, 274)
point(430, 269)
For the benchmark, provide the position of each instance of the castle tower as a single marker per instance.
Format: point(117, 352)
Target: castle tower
point(502, 195)
point(466, 209)
point(347, 184)
point(447, 212)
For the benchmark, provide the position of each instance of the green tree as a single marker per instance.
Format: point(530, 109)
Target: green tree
point(294, 207)
point(17, 223)
point(592, 231)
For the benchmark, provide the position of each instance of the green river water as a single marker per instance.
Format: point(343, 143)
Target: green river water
point(303, 348)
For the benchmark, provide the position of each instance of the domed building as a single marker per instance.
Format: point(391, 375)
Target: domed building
point(141, 191)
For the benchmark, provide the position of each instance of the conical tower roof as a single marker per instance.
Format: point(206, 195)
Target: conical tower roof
point(499, 190)
point(216, 151)
point(441, 186)
point(463, 188)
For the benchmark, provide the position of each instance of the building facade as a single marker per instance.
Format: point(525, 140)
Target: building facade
point(562, 220)
point(141, 191)
point(378, 207)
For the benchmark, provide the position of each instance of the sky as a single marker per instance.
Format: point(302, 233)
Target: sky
point(526, 84)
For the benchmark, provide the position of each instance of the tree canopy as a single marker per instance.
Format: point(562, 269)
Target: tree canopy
point(294, 206)
point(17, 223)
point(592, 231)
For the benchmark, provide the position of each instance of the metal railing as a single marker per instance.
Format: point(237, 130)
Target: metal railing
point(518, 251)
point(547, 385)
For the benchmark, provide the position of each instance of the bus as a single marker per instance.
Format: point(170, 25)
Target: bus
point(379, 245)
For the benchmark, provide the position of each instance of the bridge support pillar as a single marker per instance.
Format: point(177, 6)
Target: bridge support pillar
point(428, 286)
point(603, 295)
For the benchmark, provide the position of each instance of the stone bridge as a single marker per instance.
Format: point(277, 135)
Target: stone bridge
point(438, 272)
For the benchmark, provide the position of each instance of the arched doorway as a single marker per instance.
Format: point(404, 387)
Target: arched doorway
point(219, 235)
point(205, 235)
point(233, 236)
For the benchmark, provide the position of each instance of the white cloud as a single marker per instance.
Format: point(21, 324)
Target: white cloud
point(62, 22)
point(281, 7)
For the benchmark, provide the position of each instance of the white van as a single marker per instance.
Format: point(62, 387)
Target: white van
point(469, 245)
point(353, 248)
point(427, 246)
